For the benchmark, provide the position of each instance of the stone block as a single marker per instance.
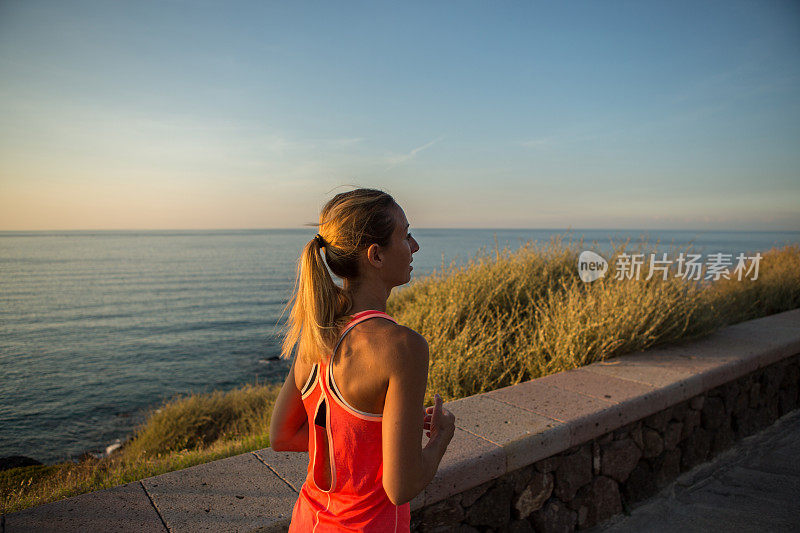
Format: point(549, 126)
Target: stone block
point(468, 497)
point(493, 509)
point(672, 435)
point(520, 478)
point(292, 467)
point(584, 417)
point(692, 421)
point(469, 461)
point(603, 387)
point(744, 423)
point(596, 502)
point(653, 443)
point(695, 448)
point(441, 517)
point(697, 402)
point(534, 495)
point(555, 517)
point(640, 484)
point(713, 413)
point(236, 493)
point(125, 507)
point(787, 400)
point(520, 526)
point(619, 458)
point(679, 411)
point(742, 402)
point(649, 369)
point(574, 472)
point(523, 434)
point(667, 467)
point(730, 392)
point(549, 464)
point(722, 439)
point(658, 421)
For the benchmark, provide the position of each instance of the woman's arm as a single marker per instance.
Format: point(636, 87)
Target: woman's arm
point(288, 426)
point(407, 467)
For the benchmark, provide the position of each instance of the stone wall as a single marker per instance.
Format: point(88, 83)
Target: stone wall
point(591, 482)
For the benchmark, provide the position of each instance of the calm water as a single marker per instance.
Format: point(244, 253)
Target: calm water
point(96, 327)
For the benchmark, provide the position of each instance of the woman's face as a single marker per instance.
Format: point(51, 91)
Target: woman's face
point(399, 251)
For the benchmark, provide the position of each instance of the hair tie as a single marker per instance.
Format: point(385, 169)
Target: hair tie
point(319, 240)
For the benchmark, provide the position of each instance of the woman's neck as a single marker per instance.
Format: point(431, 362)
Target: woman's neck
point(366, 296)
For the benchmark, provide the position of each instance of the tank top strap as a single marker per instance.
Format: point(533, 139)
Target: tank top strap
point(357, 319)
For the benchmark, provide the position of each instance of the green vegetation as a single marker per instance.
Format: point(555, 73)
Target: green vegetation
point(503, 318)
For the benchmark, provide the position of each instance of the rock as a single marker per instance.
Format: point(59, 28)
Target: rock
point(695, 448)
point(672, 435)
point(653, 444)
point(468, 497)
point(730, 391)
point(597, 502)
point(722, 439)
point(696, 403)
point(534, 495)
point(574, 472)
point(713, 414)
point(441, 517)
point(595, 457)
point(520, 526)
point(755, 391)
point(787, 400)
point(679, 411)
point(549, 464)
point(640, 484)
point(741, 404)
point(667, 467)
point(16, 461)
point(493, 508)
point(658, 421)
point(555, 517)
point(771, 378)
point(619, 458)
point(692, 420)
point(744, 423)
point(520, 478)
point(636, 435)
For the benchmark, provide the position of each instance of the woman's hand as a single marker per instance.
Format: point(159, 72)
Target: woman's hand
point(439, 423)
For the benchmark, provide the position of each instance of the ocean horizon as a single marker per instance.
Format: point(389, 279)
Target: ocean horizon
point(99, 326)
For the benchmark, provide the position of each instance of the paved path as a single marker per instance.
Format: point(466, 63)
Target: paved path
point(753, 486)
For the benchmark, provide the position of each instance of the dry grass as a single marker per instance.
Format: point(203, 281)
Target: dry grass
point(503, 318)
point(507, 317)
point(183, 432)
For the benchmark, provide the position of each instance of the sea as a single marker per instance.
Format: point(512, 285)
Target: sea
point(99, 327)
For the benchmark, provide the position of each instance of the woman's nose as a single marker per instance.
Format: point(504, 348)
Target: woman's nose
point(416, 245)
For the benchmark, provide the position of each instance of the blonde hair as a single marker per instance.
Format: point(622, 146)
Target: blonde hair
point(349, 223)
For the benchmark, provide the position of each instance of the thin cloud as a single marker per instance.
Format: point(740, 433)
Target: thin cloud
point(395, 160)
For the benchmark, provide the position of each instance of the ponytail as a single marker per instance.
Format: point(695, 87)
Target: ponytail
point(318, 306)
point(349, 223)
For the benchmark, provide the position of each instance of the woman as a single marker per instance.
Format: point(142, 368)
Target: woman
point(354, 395)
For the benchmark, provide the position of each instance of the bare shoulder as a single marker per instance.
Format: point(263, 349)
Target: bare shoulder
point(302, 371)
point(400, 345)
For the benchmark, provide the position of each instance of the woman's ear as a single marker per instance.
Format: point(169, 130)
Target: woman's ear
point(374, 255)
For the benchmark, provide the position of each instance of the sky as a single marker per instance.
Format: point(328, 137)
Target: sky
point(583, 114)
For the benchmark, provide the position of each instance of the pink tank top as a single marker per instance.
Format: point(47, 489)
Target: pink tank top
point(355, 500)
